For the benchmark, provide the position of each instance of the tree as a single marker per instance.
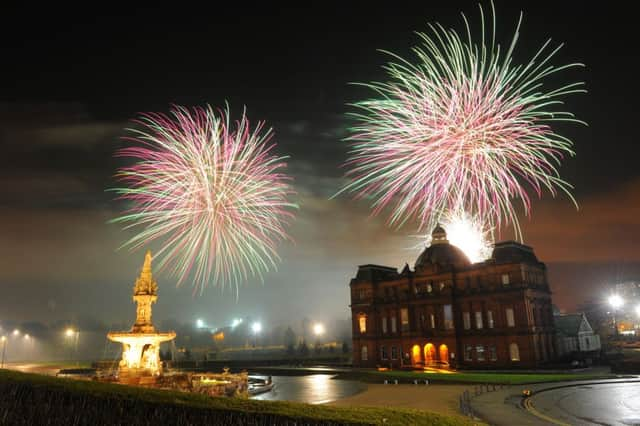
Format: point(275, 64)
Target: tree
point(290, 341)
point(303, 349)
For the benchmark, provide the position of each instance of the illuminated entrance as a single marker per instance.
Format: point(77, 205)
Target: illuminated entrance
point(429, 354)
point(416, 355)
point(444, 353)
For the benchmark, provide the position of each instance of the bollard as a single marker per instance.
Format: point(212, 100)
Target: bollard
point(415, 382)
point(386, 382)
point(426, 382)
point(396, 381)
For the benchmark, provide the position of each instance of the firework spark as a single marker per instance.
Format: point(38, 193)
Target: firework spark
point(463, 129)
point(211, 191)
point(467, 233)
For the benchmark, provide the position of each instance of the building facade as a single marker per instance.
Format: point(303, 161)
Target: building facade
point(449, 312)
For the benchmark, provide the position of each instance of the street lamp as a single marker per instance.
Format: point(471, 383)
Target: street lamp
point(256, 327)
point(616, 302)
point(70, 332)
point(3, 339)
point(318, 329)
point(199, 323)
point(16, 332)
point(236, 322)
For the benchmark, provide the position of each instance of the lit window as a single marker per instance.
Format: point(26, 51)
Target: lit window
point(479, 320)
point(480, 353)
point(468, 353)
point(505, 279)
point(363, 323)
point(493, 354)
point(448, 317)
point(466, 320)
point(511, 322)
point(514, 352)
point(429, 288)
point(404, 319)
point(432, 318)
point(364, 353)
point(441, 285)
point(394, 326)
point(384, 325)
point(383, 353)
point(490, 319)
point(394, 352)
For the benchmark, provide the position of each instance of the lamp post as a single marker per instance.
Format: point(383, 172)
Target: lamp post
point(71, 333)
point(3, 339)
point(616, 302)
point(256, 327)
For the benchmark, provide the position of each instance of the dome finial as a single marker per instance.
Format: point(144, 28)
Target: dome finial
point(439, 235)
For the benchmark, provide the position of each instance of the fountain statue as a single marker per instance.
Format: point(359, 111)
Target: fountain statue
point(141, 345)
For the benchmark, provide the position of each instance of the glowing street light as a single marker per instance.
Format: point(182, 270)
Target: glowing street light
point(70, 332)
point(616, 301)
point(3, 339)
point(318, 329)
point(27, 337)
point(638, 310)
point(236, 322)
point(256, 327)
point(199, 323)
point(16, 332)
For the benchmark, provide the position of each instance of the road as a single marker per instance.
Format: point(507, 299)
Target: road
point(49, 369)
point(591, 404)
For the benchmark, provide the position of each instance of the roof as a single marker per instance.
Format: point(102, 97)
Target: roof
point(513, 252)
point(443, 254)
point(371, 272)
point(568, 324)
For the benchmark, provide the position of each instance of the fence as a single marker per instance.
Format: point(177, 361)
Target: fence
point(465, 398)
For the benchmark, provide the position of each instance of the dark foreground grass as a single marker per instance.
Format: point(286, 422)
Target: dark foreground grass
point(467, 378)
point(42, 400)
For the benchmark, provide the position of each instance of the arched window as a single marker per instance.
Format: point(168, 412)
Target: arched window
point(364, 353)
point(514, 352)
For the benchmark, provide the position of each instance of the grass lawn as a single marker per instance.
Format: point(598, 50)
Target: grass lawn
point(490, 378)
point(28, 396)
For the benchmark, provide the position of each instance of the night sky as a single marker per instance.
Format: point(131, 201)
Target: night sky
point(72, 79)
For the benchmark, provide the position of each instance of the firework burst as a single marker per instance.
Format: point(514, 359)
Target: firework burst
point(210, 191)
point(463, 129)
point(467, 233)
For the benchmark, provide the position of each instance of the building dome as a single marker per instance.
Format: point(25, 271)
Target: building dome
point(440, 252)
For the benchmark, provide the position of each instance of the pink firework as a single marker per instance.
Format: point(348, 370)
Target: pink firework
point(463, 129)
point(210, 191)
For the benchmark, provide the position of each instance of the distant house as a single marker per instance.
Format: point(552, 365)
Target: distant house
point(575, 338)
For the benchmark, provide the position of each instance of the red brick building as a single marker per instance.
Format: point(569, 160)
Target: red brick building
point(451, 312)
